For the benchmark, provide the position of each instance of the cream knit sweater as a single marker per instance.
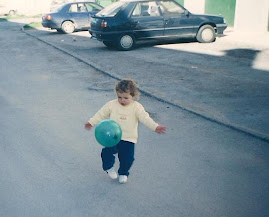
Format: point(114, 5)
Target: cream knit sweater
point(126, 116)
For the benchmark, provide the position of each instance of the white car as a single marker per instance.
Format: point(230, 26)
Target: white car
point(7, 10)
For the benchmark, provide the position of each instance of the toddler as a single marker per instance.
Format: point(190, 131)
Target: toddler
point(126, 112)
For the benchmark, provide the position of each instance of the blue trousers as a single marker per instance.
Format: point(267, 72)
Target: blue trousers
point(125, 152)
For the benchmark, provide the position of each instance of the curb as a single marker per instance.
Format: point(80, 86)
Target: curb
point(179, 105)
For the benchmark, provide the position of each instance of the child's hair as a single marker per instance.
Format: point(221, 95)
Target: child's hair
point(128, 86)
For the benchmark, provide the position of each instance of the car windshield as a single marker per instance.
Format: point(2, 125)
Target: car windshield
point(170, 8)
point(111, 10)
point(93, 7)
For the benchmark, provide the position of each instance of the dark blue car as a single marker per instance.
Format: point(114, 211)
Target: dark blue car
point(71, 17)
point(123, 23)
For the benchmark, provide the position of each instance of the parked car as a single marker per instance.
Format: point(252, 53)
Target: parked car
point(71, 17)
point(123, 23)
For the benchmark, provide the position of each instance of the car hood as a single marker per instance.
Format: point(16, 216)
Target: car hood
point(207, 17)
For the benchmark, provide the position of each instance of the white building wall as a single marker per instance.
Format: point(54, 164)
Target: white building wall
point(251, 15)
point(195, 6)
point(29, 7)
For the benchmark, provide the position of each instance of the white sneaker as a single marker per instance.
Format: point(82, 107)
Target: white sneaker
point(123, 179)
point(112, 173)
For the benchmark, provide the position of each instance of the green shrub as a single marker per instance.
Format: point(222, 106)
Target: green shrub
point(2, 19)
point(32, 25)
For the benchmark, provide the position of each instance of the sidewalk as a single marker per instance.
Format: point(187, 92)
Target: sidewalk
point(257, 39)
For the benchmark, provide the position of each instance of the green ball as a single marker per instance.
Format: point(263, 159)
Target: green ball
point(108, 133)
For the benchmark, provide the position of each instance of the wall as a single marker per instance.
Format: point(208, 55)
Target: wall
point(244, 15)
point(195, 6)
point(105, 3)
point(225, 8)
point(28, 7)
point(180, 2)
point(251, 15)
point(35, 6)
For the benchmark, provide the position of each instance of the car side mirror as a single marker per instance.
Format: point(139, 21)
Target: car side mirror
point(187, 13)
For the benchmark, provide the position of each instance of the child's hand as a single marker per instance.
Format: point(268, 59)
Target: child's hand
point(88, 126)
point(160, 129)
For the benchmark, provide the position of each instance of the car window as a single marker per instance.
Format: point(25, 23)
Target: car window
point(73, 8)
point(143, 9)
point(170, 8)
point(77, 8)
point(93, 7)
point(81, 8)
point(112, 10)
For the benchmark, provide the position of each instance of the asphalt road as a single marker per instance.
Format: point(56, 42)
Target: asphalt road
point(50, 166)
point(225, 81)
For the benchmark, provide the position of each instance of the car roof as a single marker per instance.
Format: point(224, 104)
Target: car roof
point(76, 2)
point(143, 0)
point(65, 6)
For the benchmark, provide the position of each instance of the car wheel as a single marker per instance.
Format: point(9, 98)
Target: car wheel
point(126, 42)
point(109, 44)
point(206, 34)
point(68, 27)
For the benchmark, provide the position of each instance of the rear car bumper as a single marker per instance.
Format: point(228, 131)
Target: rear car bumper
point(104, 36)
point(49, 24)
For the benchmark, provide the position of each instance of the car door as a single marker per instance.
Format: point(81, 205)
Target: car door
point(146, 20)
point(79, 15)
point(176, 20)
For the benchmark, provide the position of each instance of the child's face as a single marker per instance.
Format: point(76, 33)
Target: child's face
point(124, 98)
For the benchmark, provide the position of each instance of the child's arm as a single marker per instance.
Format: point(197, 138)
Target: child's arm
point(99, 116)
point(144, 117)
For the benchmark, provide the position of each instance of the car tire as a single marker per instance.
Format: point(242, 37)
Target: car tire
point(68, 27)
point(206, 34)
point(126, 42)
point(109, 44)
